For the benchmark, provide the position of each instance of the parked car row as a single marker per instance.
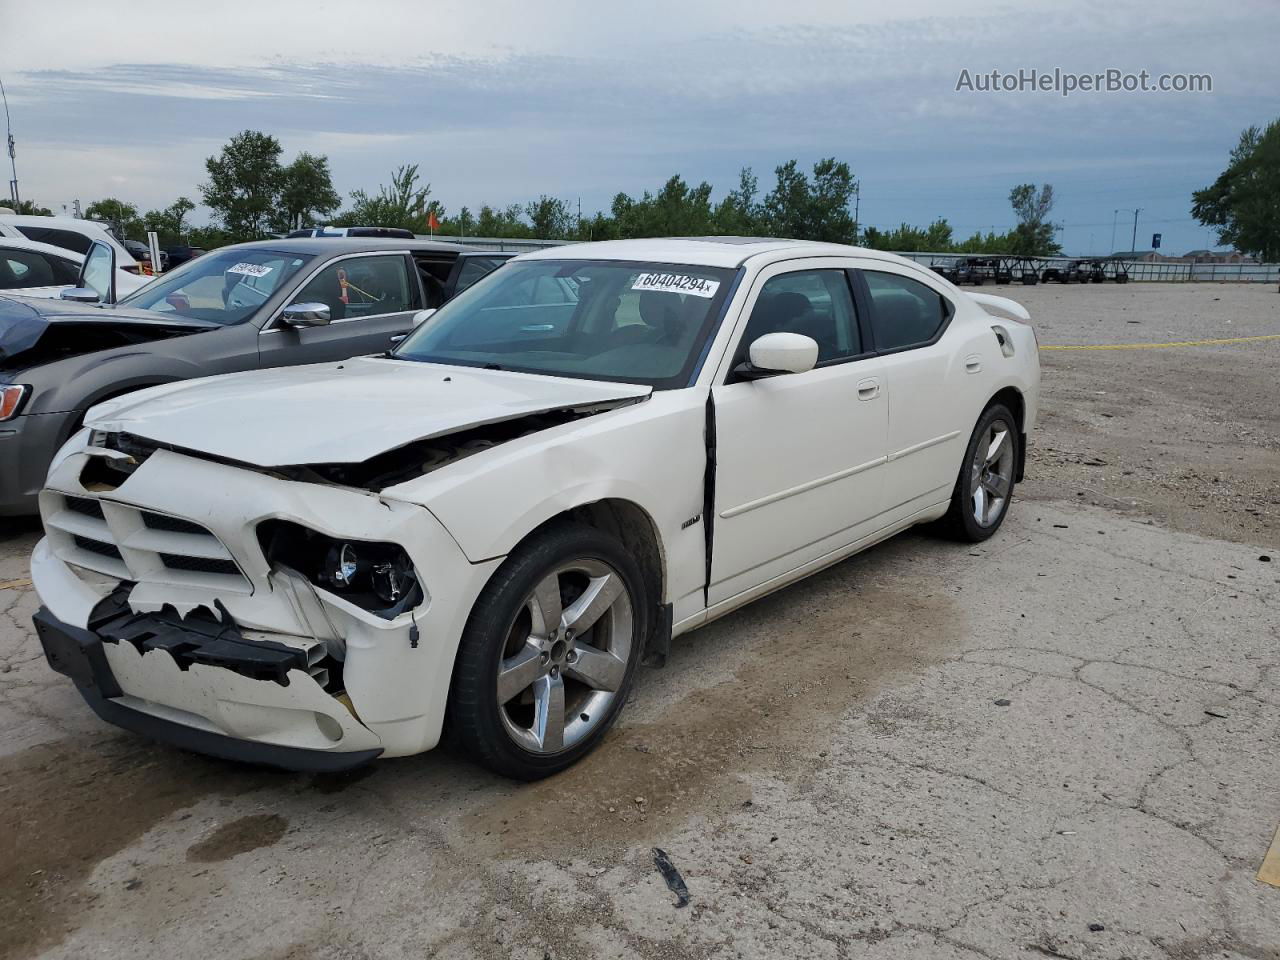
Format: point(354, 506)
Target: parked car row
point(492, 491)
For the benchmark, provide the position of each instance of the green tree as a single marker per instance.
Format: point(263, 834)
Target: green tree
point(1033, 236)
point(169, 223)
point(504, 223)
point(550, 218)
point(244, 184)
point(178, 211)
point(1244, 202)
point(32, 209)
point(306, 193)
point(739, 213)
point(819, 210)
point(122, 216)
point(402, 203)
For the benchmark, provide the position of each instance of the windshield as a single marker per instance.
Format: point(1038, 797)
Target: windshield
point(599, 320)
point(227, 286)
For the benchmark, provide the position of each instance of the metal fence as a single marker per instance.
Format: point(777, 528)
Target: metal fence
point(1140, 271)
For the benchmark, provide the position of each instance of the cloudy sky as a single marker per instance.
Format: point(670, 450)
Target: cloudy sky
point(500, 102)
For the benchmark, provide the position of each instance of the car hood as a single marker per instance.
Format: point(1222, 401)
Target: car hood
point(340, 412)
point(25, 320)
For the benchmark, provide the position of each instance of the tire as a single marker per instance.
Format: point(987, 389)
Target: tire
point(961, 521)
point(514, 732)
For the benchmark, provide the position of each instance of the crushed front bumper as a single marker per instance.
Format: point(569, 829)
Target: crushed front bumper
point(198, 705)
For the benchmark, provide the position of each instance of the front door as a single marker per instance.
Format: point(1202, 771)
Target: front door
point(799, 457)
point(371, 299)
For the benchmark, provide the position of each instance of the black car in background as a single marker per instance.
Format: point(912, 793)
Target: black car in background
point(180, 253)
point(142, 253)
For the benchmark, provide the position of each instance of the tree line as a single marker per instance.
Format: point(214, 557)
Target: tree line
point(253, 193)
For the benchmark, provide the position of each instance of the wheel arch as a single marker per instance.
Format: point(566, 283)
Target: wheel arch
point(626, 520)
point(1012, 398)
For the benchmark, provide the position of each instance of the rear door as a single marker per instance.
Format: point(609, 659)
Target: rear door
point(372, 299)
point(926, 378)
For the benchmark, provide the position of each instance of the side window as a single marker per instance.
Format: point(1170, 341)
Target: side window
point(473, 268)
point(904, 312)
point(97, 271)
point(816, 303)
point(67, 239)
point(25, 268)
point(361, 287)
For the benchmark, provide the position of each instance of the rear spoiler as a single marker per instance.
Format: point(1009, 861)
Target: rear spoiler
point(1001, 307)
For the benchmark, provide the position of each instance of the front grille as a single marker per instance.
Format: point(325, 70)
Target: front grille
point(159, 521)
point(97, 546)
point(199, 564)
point(122, 541)
point(85, 507)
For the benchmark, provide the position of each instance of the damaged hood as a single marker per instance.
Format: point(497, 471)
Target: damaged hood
point(340, 412)
point(23, 321)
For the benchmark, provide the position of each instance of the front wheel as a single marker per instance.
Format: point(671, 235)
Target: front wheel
point(548, 655)
point(982, 492)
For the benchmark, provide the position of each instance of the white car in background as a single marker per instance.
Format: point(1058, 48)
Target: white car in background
point(593, 449)
point(70, 233)
point(31, 269)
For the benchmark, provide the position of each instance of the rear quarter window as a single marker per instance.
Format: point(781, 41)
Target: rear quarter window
point(904, 312)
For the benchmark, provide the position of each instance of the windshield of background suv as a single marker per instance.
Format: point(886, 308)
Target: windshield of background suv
point(226, 286)
point(599, 320)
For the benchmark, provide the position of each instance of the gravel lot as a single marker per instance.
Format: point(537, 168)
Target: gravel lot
point(1062, 743)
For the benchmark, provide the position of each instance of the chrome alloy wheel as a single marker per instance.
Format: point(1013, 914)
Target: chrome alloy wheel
point(565, 656)
point(992, 474)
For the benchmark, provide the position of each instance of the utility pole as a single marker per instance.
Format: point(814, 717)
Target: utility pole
point(13, 163)
point(1115, 215)
point(1133, 244)
point(857, 203)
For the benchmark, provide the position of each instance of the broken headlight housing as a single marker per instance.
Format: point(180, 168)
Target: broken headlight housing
point(375, 576)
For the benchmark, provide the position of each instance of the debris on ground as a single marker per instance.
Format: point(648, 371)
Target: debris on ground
point(1096, 928)
point(675, 882)
point(1003, 702)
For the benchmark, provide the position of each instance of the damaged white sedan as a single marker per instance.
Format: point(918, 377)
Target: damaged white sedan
point(485, 532)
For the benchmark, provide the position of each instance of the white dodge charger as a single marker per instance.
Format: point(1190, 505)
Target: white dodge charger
point(483, 533)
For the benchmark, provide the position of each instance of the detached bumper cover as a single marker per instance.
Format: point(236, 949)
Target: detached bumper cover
point(82, 655)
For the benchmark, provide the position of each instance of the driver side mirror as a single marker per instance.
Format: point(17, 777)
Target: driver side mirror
point(779, 353)
point(306, 314)
point(80, 295)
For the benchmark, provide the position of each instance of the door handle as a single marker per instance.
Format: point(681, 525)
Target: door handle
point(972, 363)
point(398, 337)
point(868, 389)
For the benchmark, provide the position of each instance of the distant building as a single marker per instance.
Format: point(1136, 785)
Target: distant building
point(1217, 256)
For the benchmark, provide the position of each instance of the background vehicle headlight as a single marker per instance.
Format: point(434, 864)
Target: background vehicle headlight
point(11, 397)
point(376, 576)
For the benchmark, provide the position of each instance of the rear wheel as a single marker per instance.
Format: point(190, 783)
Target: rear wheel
point(984, 487)
point(549, 654)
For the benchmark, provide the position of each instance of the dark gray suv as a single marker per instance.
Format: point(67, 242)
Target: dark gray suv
point(267, 304)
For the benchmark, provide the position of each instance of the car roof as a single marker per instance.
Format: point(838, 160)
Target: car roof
point(708, 251)
point(22, 243)
point(332, 245)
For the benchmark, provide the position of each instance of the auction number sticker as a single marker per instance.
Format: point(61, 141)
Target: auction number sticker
point(251, 269)
point(677, 283)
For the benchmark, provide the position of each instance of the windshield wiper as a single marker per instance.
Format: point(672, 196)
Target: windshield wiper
point(491, 366)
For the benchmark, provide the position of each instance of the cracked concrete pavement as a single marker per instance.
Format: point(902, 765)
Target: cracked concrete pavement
point(930, 750)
